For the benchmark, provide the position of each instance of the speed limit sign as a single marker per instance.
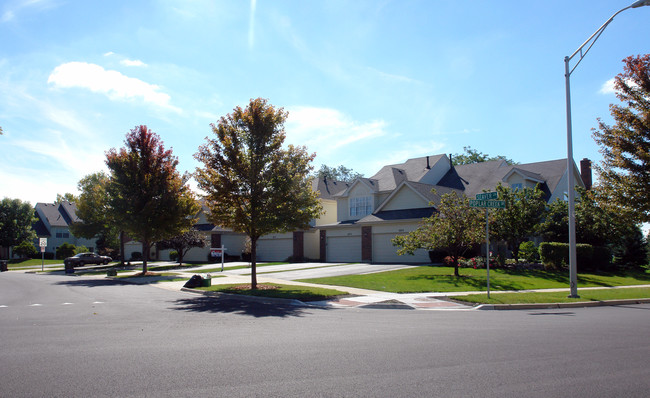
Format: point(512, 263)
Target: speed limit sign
point(42, 242)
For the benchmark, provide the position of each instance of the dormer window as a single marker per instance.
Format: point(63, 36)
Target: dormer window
point(516, 187)
point(360, 206)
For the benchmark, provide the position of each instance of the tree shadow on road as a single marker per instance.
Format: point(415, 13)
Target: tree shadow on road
point(250, 308)
point(88, 282)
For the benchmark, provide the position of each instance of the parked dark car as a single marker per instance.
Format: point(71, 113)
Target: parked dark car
point(82, 259)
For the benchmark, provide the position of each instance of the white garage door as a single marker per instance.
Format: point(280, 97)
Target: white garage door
point(344, 249)
point(278, 249)
point(383, 251)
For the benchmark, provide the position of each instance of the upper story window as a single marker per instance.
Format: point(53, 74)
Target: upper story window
point(360, 206)
point(518, 186)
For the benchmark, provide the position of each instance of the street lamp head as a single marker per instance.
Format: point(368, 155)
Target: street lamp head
point(640, 3)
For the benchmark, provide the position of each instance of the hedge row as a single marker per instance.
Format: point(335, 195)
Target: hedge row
point(556, 255)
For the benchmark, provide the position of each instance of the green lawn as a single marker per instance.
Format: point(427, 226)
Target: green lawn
point(302, 293)
point(558, 297)
point(441, 279)
point(22, 264)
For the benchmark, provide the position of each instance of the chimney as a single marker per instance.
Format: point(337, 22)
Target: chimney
point(451, 163)
point(585, 172)
point(428, 166)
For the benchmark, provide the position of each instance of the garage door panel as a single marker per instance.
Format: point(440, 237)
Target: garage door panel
point(383, 251)
point(344, 249)
point(274, 249)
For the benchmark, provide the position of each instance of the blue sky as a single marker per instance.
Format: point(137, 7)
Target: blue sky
point(367, 83)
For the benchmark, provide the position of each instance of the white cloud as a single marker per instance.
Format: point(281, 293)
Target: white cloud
point(608, 87)
point(135, 62)
point(251, 24)
point(108, 82)
point(324, 130)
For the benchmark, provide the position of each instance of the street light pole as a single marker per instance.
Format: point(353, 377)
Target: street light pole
point(573, 276)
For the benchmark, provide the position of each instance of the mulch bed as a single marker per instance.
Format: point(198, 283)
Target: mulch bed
point(249, 287)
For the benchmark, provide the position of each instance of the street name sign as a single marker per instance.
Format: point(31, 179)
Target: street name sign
point(488, 204)
point(487, 196)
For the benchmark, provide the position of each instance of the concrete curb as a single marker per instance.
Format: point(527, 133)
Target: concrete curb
point(579, 304)
point(243, 297)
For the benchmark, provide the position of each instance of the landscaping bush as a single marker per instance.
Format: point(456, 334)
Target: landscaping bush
point(135, 256)
point(25, 249)
point(529, 252)
point(437, 256)
point(173, 255)
point(554, 255)
point(80, 249)
point(65, 250)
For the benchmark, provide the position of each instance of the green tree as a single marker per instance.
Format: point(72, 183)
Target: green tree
point(474, 156)
point(66, 197)
point(16, 218)
point(253, 185)
point(147, 198)
point(25, 249)
point(520, 219)
point(625, 168)
point(340, 173)
point(183, 243)
point(454, 228)
point(95, 213)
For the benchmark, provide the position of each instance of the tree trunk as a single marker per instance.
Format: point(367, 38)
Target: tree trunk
point(145, 255)
point(455, 259)
point(253, 263)
point(122, 248)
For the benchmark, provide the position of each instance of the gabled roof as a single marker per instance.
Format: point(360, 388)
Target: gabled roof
point(425, 191)
point(328, 188)
point(40, 228)
point(395, 215)
point(58, 214)
point(389, 177)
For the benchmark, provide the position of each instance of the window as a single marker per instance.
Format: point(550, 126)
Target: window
point(360, 206)
point(517, 186)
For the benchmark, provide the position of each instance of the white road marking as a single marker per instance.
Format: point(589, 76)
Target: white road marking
point(67, 304)
point(36, 305)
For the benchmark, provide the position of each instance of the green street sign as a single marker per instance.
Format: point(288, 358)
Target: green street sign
point(487, 196)
point(490, 204)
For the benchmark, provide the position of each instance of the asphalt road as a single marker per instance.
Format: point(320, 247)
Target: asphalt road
point(66, 336)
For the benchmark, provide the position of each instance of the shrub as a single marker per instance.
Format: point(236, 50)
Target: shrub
point(135, 256)
point(25, 249)
point(554, 255)
point(80, 249)
point(173, 255)
point(65, 250)
point(437, 256)
point(529, 252)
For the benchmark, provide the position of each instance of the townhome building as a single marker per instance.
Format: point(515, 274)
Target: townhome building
point(53, 222)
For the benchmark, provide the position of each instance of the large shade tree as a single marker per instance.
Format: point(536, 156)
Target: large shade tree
point(16, 218)
point(625, 169)
point(455, 228)
point(253, 184)
point(340, 173)
point(147, 197)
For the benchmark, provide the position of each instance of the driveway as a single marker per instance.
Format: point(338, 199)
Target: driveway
point(292, 272)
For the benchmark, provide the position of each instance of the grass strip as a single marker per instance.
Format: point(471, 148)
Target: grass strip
point(296, 292)
point(557, 297)
point(441, 279)
point(218, 269)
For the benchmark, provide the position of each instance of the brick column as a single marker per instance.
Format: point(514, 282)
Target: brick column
point(298, 246)
point(366, 244)
point(323, 246)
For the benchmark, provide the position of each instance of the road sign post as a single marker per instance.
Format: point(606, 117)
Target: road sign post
point(42, 242)
point(487, 200)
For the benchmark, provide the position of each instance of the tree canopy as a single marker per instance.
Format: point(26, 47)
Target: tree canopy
point(66, 197)
point(340, 173)
point(183, 243)
point(625, 169)
point(254, 185)
point(16, 218)
point(454, 228)
point(95, 213)
point(474, 156)
point(524, 210)
point(147, 197)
